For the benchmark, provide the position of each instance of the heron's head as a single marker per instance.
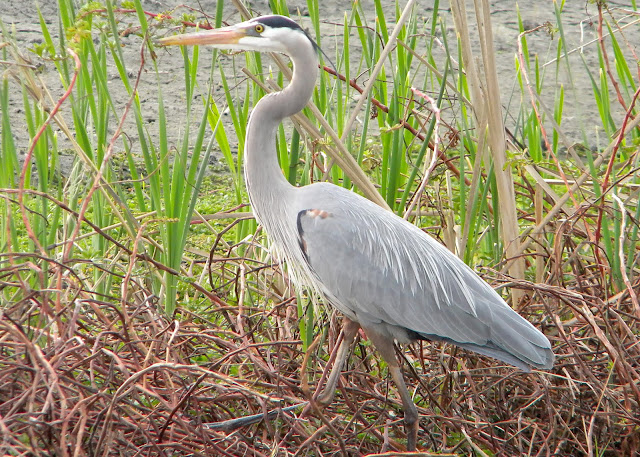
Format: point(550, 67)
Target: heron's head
point(263, 34)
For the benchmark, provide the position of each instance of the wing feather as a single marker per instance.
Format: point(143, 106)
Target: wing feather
point(385, 271)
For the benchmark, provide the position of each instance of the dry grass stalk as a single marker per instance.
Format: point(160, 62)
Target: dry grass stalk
point(485, 97)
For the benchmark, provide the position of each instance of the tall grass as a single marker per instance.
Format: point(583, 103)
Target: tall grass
point(87, 252)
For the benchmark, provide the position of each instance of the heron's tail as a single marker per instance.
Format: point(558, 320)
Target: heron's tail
point(512, 339)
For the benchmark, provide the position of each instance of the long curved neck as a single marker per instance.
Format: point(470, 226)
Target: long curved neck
point(267, 187)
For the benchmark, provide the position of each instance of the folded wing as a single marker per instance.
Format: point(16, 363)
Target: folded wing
point(389, 273)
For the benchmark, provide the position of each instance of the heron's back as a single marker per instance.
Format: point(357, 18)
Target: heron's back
point(388, 275)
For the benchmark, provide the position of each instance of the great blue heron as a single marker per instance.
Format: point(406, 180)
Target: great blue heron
point(383, 273)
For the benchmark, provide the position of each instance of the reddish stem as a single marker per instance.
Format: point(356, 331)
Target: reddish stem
point(405, 124)
point(34, 141)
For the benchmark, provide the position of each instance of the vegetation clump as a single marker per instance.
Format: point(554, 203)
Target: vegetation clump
point(143, 313)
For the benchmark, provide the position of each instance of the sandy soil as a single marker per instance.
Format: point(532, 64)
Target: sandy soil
point(579, 109)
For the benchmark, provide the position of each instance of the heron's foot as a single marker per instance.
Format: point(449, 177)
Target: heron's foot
point(326, 397)
point(412, 433)
point(411, 423)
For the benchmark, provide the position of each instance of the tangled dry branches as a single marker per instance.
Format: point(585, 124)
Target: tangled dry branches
point(87, 375)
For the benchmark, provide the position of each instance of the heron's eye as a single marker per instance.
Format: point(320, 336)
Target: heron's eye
point(259, 28)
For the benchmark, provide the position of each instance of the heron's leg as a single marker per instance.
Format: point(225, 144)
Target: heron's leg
point(349, 331)
point(386, 349)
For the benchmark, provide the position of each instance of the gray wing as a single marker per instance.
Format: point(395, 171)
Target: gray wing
point(390, 275)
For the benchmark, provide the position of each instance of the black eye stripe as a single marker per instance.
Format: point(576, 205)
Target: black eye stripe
point(279, 22)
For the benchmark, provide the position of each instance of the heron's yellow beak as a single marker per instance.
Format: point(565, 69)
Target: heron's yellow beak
point(222, 36)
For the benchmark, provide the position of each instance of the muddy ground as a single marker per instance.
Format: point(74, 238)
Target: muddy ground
point(580, 111)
